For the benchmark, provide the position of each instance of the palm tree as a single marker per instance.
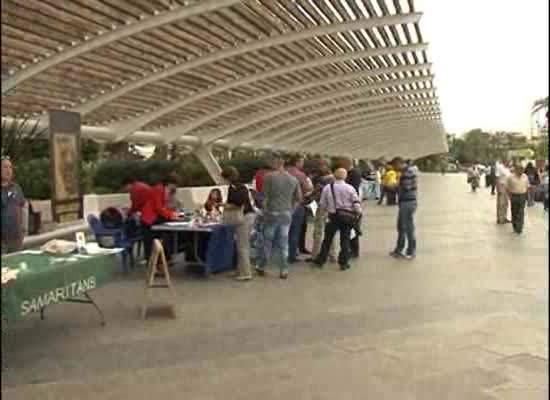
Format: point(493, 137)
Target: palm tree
point(18, 137)
point(540, 104)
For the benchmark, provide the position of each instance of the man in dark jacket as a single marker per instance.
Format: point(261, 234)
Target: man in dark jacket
point(407, 207)
point(354, 179)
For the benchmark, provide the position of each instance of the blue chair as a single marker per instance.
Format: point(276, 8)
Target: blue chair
point(113, 238)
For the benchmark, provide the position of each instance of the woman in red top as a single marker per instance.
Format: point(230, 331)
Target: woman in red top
point(149, 204)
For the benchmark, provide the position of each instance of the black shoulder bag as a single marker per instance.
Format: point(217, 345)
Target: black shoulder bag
point(346, 217)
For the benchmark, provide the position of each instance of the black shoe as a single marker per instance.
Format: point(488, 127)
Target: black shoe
point(344, 267)
point(316, 263)
point(293, 261)
point(306, 252)
point(259, 271)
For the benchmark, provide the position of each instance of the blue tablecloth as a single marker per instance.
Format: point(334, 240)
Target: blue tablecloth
point(217, 248)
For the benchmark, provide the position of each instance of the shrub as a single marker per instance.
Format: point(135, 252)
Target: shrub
point(247, 167)
point(34, 178)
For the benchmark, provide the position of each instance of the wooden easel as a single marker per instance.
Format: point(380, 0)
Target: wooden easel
point(157, 262)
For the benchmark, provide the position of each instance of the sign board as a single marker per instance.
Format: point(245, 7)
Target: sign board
point(65, 157)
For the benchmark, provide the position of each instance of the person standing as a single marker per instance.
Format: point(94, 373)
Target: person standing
point(545, 188)
point(13, 210)
point(296, 169)
point(503, 201)
point(378, 182)
point(492, 176)
point(325, 178)
point(282, 191)
point(302, 248)
point(389, 186)
point(238, 212)
point(517, 186)
point(534, 182)
point(407, 189)
point(338, 196)
point(354, 180)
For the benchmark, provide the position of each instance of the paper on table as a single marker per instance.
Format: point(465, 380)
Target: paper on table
point(32, 252)
point(93, 248)
point(313, 207)
point(178, 223)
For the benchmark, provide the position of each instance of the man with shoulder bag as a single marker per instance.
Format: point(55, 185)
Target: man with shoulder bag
point(342, 203)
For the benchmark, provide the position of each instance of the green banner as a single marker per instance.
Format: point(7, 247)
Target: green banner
point(44, 279)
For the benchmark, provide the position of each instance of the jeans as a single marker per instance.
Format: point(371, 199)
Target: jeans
point(276, 229)
point(295, 231)
point(370, 190)
point(303, 234)
point(517, 202)
point(333, 226)
point(405, 228)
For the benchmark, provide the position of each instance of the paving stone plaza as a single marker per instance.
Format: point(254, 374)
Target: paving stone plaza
point(467, 319)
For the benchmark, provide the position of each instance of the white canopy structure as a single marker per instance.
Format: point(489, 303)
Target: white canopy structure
point(328, 76)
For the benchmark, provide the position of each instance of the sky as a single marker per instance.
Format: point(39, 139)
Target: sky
point(490, 60)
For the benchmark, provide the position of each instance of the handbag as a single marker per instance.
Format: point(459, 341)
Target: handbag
point(233, 214)
point(347, 217)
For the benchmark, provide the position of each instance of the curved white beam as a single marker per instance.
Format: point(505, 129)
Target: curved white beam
point(422, 144)
point(248, 47)
point(183, 129)
point(228, 131)
point(127, 127)
point(364, 145)
point(103, 39)
point(389, 108)
point(365, 129)
point(328, 134)
point(106, 134)
point(309, 131)
point(386, 143)
point(361, 135)
point(360, 124)
point(331, 135)
point(297, 127)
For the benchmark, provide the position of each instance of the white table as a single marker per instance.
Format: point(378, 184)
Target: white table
point(176, 227)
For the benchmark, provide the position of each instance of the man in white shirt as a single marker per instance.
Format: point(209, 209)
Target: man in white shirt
point(517, 186)
point(503, 201)
point(338, 196)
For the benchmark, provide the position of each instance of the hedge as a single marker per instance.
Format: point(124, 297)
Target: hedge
point(34, 178)
point(107, 176)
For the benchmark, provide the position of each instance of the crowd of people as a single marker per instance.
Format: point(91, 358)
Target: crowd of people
point(270, 217)
point(287, 195)
point(516, 187)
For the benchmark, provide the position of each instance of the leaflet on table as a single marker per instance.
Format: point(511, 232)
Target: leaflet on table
point(177, 223)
